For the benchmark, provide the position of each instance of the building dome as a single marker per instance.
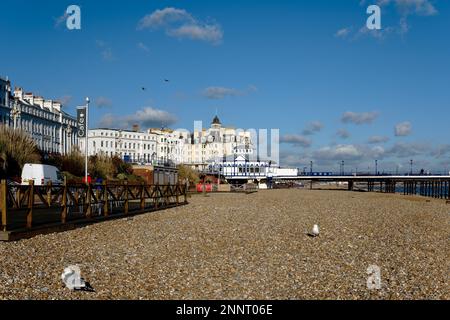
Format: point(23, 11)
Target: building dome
point(216, 120)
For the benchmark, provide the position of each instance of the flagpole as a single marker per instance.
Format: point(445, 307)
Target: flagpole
point(86, 146)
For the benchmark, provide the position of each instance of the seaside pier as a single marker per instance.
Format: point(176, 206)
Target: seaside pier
point(427, 186)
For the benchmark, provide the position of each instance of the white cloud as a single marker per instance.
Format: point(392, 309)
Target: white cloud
point(359, 118)
point(441, 151)
point(343, 33)
point(296, 139)
point(65, 100)
point(313, 127)
point(405, 8)
point(61, 19)
point(403, 129)
point(343, 134)
point(362, 156)
point(143, 47)
point(217, 93)
point(339, 152)
point(103, 102)
point(146, 117)
point(412, 149)
point(348, 152)
point(179, 23)
point(164, 17)
point(409, 7)
point(105, 50)
point(378, 139)
point(209, 33)
point(220, 92)
point(377, 34)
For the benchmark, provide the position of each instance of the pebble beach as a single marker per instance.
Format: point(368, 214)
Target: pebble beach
point(239, 246)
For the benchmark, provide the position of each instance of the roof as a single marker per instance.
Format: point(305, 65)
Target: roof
point(216, 120)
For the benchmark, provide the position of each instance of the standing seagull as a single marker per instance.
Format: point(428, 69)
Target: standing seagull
point(315, 231)
point(73, 281)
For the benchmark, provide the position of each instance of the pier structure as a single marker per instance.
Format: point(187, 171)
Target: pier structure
point(428, 186)
point(268, 175)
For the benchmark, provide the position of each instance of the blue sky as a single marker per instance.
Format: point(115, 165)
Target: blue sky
point(309, 68)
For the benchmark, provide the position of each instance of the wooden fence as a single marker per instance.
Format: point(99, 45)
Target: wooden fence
point(29, 207)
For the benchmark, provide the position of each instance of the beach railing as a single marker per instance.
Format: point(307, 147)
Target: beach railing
point(31, 206)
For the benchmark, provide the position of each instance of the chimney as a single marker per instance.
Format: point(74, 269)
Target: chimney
point(48, 104)
point(39, 101)
point(29, 97)
point(57, 106)
point(18, 93)
point(135, 127)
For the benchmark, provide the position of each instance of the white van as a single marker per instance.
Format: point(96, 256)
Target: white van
point(41, 174)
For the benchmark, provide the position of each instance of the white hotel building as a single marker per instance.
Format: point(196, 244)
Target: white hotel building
point(196, 149)
point(217, 143)
point(136, 146)
point(53, 130)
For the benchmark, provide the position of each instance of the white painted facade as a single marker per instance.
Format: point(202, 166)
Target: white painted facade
point(53, 130)
point(171, 145)
point(283, 172)
point(137, 146)
point(164, 145)
point(217, 143)
point(243, 168)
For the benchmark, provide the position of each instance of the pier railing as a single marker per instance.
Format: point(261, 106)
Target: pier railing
point(29, 206)
point(439, 189)
point(433, 187)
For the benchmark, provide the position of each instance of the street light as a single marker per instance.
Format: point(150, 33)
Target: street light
point(87, 137)
point(311, 168)
point(411, 163)
point(343, 169)
point(69, 138)
point(376, 167)
point(15, 112)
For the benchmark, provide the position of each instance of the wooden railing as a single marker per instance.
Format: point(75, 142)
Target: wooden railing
point(30, 206)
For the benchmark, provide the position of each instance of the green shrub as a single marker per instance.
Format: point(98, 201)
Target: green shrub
point(121, 166)
point(122, 176)
point(101, 166)
point(187, 173)
point(16, 149)
point(73, 163)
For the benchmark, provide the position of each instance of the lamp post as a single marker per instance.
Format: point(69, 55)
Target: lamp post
point(86, 145)
point(376, 167)
point(69, 137)
point(343, 168)
point(411, 164)
point(15, 112)
point(311, 168)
